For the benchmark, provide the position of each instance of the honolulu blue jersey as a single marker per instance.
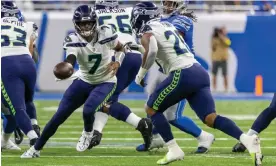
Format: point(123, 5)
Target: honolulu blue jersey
point(184, 25)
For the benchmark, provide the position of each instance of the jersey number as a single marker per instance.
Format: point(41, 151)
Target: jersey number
point(123, 27)
point(178, 39)
point(98, 59)
point(21, 39)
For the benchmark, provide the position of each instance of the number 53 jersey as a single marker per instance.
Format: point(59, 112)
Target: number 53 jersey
point(93, 57)
point(15, 36)
point(173, 53)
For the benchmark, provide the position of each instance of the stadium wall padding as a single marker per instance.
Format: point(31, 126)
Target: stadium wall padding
point(252, 53)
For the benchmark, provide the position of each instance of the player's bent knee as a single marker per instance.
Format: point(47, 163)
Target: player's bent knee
point(106, 109)
point(210, 119)
point(150, 111)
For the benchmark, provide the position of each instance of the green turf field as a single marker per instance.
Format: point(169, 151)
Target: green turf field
point(119, 140)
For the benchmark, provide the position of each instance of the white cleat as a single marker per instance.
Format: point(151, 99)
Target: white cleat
point(205, 140)
point(84, 141)
point(171, 156)
point(157, 142)
point(31, 153)
point(174, 154)
point(9, 145)
point(253, 145)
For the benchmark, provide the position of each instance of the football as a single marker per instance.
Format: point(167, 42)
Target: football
point(63, 70)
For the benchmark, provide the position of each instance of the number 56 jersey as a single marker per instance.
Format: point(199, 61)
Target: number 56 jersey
point(16, 35)
point(119, 19)
point(93, 57)
point(173, 53)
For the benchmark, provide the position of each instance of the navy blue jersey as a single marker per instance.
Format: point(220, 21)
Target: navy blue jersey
point(184, 25)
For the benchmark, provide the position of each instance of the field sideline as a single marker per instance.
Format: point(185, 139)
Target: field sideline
point(119, 140)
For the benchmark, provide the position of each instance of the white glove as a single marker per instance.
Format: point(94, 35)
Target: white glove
point(139, 80)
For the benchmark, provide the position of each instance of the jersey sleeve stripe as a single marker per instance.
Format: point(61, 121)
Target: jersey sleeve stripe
point(76, 45)
point(108, 39)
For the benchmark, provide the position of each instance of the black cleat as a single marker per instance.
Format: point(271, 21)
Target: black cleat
point(18, 136)
point(96, 139)
point(37, 130)
point(145, 128)
point(33, 141)
point(239, 147)
point(201, 150)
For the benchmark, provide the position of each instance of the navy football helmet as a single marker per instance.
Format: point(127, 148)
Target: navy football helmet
point(84, 20)
point(105, 4)
point(142, 13)
point(9, 9)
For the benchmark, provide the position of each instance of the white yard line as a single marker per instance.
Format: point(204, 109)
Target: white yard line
point(140, 139)
point(149, 156)
point(136, 110)
point(128, 132)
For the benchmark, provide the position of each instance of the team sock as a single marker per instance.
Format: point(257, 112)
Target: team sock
point(264, 119)
point(227, 126)
point(162, 126)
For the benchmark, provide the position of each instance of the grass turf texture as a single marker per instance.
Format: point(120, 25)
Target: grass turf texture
point(119, 141)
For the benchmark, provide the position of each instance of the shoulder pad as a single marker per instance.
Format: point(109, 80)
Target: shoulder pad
point(72, 37)
point(182, 23)
point(72, 40)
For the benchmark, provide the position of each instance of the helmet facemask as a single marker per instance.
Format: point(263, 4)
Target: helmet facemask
point(85, 28)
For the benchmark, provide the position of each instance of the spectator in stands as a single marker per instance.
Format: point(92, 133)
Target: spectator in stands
point(264, 5)
point(220, 45)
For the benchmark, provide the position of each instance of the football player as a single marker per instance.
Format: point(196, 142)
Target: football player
point(187, 79)
point(18, 68)
point(95, 80)
point(109, 13)
point(261, 123)
point(183, 22)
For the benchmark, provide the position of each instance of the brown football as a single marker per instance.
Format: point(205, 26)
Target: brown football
point(63, 70)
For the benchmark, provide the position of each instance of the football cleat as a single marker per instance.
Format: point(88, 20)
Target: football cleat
point(84, 141)
point(9, 145)
point(171, 156)
point(204, 142)
point(157, 142)
point(145, 128)
point(31, 153)
point(18, 136)
point(239, 147)
point(37, 130)
point(252, 144)
point(96, 139)
point(33, 141)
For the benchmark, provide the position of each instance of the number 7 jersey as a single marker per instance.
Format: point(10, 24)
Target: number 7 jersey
point(93, 57)
point(15, 36)
point(173, 53)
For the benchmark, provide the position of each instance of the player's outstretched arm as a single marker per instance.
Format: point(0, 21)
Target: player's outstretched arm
point(149, 43)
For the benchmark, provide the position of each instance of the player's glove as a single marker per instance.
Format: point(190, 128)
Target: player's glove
point(140, 77)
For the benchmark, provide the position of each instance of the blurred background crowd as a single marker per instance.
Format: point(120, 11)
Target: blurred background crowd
point(196, 5)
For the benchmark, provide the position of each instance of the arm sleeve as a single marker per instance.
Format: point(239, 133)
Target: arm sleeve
point(71, 45)
point(108, 36)
point(153, 49)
